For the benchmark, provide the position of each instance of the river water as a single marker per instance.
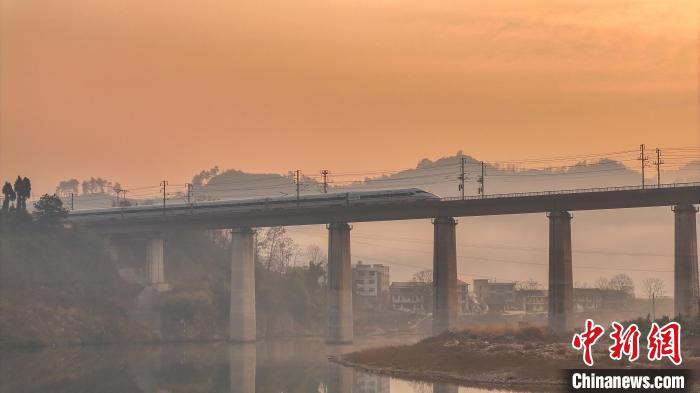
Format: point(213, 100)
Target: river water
point(273, 366)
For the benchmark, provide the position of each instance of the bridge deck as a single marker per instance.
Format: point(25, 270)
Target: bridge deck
point(499, 204)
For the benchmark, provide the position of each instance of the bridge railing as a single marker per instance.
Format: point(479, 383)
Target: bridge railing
point(470, 197)
point(571, 191)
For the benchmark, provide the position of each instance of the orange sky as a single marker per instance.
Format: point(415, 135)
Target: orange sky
point(139, 91)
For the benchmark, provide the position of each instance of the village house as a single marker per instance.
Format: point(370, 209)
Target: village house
point(498, 297)
point(534, 301)
point(370, 286)
point(417, 297)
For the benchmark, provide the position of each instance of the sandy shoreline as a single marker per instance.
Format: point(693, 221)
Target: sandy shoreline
point(526, 361)
point(489, 381)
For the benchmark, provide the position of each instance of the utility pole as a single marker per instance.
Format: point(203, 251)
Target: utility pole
point(461, 177)
point(123, 193)
point(325, 180)
point(481, 180)
point(163, 185)
point(71, 201)
point(658, 163)
point(644, 160)
point(189, 192)
point(297, 175)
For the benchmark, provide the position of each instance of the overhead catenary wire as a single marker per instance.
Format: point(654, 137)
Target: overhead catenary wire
point(603, 165)
point(497, 260)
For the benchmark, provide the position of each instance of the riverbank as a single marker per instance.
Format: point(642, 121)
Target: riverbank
point(527, 358)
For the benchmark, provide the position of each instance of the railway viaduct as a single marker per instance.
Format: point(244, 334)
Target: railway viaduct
point(557, 205)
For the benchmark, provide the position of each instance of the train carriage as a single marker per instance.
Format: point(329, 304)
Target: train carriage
point(252, 204)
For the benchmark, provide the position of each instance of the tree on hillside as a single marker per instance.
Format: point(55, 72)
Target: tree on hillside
point(66, 187)
point(96, 186)
point(9, 196)
point(203, 177)
point(27, 185)
point(23, 189)
point(19, 190)
point(49, 210)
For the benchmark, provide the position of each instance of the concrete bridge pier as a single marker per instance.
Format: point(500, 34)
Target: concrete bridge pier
point(155, 265)
point(340, 317)
point(685, 293)
point(445, 301)
point(242, 312)
point(561, 283)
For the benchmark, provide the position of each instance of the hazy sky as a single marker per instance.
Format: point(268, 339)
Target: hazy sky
point(140, 91)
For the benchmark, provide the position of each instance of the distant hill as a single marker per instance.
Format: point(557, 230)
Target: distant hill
point(441, 177)
point(237, 184)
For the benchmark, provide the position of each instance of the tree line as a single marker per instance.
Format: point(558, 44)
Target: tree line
point(15, 198)
point(94, 185)
point(48, 210)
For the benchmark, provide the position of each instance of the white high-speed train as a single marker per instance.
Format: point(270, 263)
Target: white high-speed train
point(331, 199)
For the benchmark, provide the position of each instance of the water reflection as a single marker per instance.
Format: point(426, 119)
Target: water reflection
point(370, 383)
point(340, 379)
point(242, 366)
point(289, 366)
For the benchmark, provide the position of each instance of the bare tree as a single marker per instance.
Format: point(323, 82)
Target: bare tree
point(277, 250)
point(602, 283)
point(529, 284)
point(315, 255)
point(288, 252)
point(653, 287)
point(622, 282)
point(267, 244)
point(425, 276)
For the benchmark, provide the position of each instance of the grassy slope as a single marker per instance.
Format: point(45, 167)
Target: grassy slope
point(59, 287)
